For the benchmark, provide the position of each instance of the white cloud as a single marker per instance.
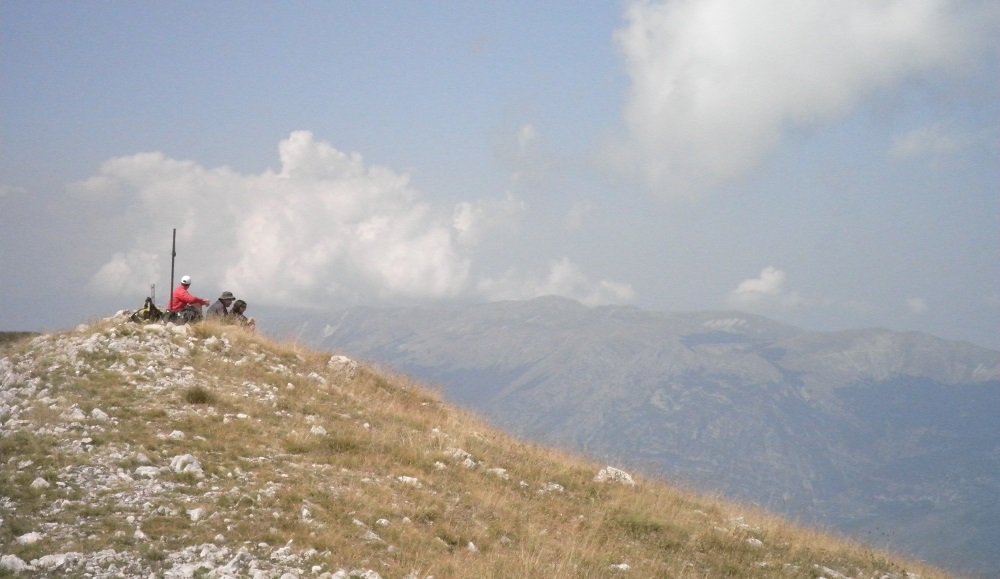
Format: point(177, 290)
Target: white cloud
point(917, 305)
point(325, 229)
point(932, 140)
point(715, 83)
point(564, 278)
point(766, 290)
point(97, 187)
point(11, 190)
point(524, 152)
point(525, 136)
point(127, 274)
point(473, 219)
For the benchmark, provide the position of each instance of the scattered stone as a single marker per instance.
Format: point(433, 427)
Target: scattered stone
point(40, 483)
point(99, 415)
point(344, 366)
point(29, 538)
point(457, 453)
point(612, 474)
point(500, 472)
point(146, 471)
point(13, 563)
point(317, 429)
point(186, 463)
point(619, 567)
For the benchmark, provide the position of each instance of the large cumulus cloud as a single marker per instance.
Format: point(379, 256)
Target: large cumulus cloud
point(716, 83)
point(326, 228)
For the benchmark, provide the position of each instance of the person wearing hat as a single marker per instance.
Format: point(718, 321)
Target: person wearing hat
point(221, 306)
point(187, 306)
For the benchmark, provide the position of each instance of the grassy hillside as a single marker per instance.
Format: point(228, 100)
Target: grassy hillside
point(7, 338)
point(127, 450)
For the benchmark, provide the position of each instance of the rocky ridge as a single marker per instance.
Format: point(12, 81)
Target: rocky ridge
point(178, 451)
point(150, 488)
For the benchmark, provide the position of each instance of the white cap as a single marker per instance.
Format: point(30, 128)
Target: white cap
point(186, 280)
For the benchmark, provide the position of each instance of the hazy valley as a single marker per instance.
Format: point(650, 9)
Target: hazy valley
point(891, 438)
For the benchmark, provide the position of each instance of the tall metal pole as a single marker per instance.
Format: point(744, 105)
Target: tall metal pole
point(173, 254)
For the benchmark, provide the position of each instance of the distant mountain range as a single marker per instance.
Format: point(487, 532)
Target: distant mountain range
point(890, 438)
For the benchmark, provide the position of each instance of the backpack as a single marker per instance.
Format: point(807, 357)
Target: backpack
point(147, 313)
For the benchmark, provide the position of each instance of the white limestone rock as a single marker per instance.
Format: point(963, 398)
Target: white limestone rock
point(499, 473)
point(146, 471)
point(612, 474)
point(29, 538)
point(186, 463)
point(13, 563)
point(552, 488)
point(343, 365)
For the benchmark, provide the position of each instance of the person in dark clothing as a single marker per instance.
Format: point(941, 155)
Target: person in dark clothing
point(221, 306)
point(236, 316)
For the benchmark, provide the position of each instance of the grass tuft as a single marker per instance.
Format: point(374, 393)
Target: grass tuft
point(199, 395)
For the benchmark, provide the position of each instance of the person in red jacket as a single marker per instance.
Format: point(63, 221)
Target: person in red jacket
point(187, 306)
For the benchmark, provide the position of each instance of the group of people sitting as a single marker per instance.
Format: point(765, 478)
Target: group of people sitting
point(226, 309)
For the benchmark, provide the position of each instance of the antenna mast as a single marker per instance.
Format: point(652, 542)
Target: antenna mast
point(173, 254)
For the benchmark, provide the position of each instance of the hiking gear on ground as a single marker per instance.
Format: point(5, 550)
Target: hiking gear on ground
point(147, 313)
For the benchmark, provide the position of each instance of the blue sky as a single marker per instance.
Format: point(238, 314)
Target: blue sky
point(830, 164)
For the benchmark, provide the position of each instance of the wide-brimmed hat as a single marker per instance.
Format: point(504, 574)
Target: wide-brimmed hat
point(227, 296)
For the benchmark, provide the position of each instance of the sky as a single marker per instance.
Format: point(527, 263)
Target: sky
point(831, 164)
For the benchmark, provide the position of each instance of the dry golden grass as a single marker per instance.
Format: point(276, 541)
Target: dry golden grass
point(377, 487)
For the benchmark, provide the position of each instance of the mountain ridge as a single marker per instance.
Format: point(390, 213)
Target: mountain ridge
point(204, 451)
point(810, 423)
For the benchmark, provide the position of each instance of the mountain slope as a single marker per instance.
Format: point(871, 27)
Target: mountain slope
point(137, 451)
point(885, 436)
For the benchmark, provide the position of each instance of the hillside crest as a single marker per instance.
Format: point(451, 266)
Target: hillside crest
point(187, 451)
